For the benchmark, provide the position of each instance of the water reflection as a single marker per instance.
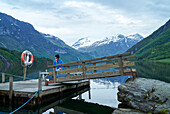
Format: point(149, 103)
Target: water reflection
point(154, 70)
point(102, 92)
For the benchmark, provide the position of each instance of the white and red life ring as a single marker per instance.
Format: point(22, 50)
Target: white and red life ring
point(25, 57)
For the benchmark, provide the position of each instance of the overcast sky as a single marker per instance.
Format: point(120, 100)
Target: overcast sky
point(73, 19)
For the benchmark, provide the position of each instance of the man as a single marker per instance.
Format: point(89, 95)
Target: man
point(58, 61)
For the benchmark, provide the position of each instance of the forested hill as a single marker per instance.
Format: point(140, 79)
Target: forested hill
point(156, 46)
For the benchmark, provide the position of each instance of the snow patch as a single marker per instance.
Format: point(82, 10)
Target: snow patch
point(60, 51)
point(83, 42)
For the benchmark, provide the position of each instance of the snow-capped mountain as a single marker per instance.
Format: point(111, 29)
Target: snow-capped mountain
point(108, 46)
point(82, 42)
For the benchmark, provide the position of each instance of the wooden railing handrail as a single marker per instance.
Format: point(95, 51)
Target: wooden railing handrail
point(93, 68)
point(77, 63)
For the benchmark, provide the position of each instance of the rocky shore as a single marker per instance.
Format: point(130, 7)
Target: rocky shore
point(144, 96)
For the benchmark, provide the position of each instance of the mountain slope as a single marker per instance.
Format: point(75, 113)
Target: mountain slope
point(155, 46)
point(109, 46)
point(10, 62)
point(18, 35)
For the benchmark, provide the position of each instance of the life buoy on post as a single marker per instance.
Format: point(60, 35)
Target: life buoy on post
point(27, 57)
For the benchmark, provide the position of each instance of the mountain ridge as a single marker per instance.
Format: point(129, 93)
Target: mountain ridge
point(108, 46)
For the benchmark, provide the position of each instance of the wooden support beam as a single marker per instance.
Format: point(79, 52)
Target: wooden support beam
point(126, 60)
point(54, 74)
point(120, 65)
point(40, 84)
point(24, 72)
point(10, 88)
point(3, 77)
point(94, 64)
point(68, 74)
point(84, 69)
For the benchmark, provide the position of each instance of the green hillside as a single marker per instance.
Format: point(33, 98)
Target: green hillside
point(10, 62)
point(154, 47)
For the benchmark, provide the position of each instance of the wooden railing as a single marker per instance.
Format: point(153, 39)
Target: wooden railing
point(115, 61)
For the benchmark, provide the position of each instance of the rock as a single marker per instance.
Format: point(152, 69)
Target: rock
point(127, 111)
point(147, 95)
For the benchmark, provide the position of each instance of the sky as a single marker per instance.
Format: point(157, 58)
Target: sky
point(71, 20)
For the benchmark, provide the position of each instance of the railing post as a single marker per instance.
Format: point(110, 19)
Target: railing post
point(84, 69)
point(3, 77)
point(120, 65)
point(24, 75)
point(68, 74)
point(54, 74)
point(10, 88)
point(94, 64)
point(40, 84)
point(126, 60)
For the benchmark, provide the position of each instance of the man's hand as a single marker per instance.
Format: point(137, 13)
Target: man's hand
point(60, 68)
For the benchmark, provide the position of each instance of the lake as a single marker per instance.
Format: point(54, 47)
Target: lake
point(101, 97)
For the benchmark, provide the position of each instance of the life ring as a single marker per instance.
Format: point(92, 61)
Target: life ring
point(25, 57)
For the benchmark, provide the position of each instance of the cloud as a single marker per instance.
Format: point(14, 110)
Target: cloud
point(71, 20)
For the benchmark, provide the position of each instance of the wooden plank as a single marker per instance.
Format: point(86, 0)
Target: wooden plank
point(10, 88)
point(120, 65)
point(131, 56)
point(3, 77)
point(54, 74)
point(92, 76)
point(70, 71)
point(107, 57)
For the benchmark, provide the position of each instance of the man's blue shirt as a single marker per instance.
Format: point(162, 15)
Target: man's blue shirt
point(58, 62)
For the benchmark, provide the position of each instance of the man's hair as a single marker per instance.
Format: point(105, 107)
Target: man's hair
point(57, 56)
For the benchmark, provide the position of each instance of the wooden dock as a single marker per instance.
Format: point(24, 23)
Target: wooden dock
point(23, 90)
point(35, 109)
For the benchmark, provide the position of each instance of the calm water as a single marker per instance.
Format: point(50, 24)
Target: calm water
point(102, 93)
point(154, 70)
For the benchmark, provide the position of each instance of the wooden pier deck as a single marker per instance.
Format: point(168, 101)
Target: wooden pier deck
point(26, 89)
